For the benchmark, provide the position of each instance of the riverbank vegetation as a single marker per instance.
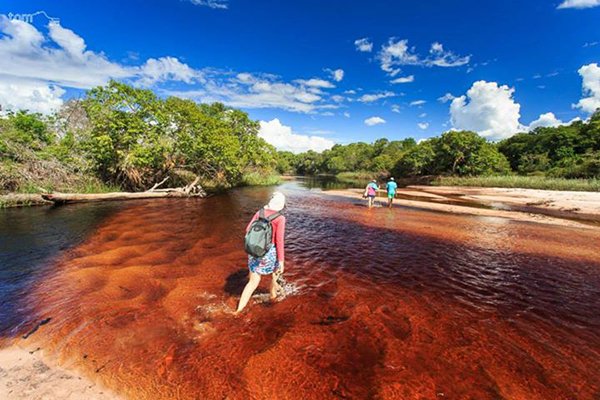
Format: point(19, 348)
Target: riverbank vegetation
point(562, 158)
point(523, 182)
point(123, 138)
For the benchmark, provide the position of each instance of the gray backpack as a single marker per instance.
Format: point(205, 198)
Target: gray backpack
point(259, 238)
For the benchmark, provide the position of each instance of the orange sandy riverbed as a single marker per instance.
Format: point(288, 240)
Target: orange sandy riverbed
point(390, 304)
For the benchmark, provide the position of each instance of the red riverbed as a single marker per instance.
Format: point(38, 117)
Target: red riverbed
point(390, 304)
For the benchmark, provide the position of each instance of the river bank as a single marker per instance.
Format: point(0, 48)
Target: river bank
point(30, 374)
point(575, 209)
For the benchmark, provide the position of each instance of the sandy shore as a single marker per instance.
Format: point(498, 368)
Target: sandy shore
point(31, 375)
point(574, 209)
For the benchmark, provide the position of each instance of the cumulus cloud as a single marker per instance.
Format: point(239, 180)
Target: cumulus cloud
point(369, 98)
point(417, 103)
point(488, 109)
point(397, 53)
point(545, 120)
point(404, 79)
point(337, 74)
point(423, 125)
point(60, 58)
point(579, 4)
point(591, 88)
point(44, 64)
point(166, 69)
point(38, 66)
point(215, 4)
point(283, 138)
point(364, 45)
point(374, 121)
point(32, 96)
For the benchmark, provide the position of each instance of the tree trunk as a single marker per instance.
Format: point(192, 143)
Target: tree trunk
point(63, 198)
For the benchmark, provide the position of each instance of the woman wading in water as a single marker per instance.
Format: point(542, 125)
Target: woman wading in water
point(266, 257)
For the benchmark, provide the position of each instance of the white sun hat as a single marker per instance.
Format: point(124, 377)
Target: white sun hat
point(277, 202)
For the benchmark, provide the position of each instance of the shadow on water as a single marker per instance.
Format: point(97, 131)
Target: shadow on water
point(235, 282)
point(31, 237)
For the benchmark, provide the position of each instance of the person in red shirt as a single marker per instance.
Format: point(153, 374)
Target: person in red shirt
point(271, 263)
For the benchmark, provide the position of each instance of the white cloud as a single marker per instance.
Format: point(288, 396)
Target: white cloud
point(364, 45)
point(215, 4)
point(316, 83)
point(488, 109)
point(166, 69)
point(396, 108)
point(346, 114)
point(591, 88)
point(337, 75)
point(423, 115)
point(283, 138)
point(404, 79)
point(259, 91)
point(545, 120)
point(32, 96)
point(369, 98)
point(443, 58)
point(61, 58)
point(579, 4)
point(423, 125)
point(397, 53)
point(374, 121)
point(446, 98)
point(42, 65)
point(417, 103)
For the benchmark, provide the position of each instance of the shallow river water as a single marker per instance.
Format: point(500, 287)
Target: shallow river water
point(389, 304)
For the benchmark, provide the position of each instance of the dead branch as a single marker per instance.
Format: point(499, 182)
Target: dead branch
point(157, 185)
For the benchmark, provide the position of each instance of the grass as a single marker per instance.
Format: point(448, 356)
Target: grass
point(523, 182)
point(258, 179)
point(356, 176)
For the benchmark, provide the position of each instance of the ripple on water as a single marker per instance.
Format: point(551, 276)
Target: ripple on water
point(388, 304)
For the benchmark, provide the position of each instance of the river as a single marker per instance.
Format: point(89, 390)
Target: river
point(388, 304)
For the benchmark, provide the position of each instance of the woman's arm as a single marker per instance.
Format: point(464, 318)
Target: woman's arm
point(280, 240)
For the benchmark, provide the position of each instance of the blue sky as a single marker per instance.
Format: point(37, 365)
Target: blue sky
point(276, 60)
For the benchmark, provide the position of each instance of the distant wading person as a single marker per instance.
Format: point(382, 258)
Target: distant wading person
point(391, 187)
point(371, 192)
point(265, 247)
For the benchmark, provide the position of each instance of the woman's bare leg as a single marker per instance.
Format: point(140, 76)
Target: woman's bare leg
point(251, 286)
point(274, 285)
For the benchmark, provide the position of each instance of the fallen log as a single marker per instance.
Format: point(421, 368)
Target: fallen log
point(22, 200)
point(64, 198)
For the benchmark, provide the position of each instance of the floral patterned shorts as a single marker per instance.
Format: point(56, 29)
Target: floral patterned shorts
point(265, 265)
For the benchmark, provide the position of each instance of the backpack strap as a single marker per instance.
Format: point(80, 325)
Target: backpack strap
point(261, 213)
point(272, 217)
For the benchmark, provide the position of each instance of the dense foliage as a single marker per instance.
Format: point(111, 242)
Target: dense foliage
point(571, 151)
point(129, 138)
